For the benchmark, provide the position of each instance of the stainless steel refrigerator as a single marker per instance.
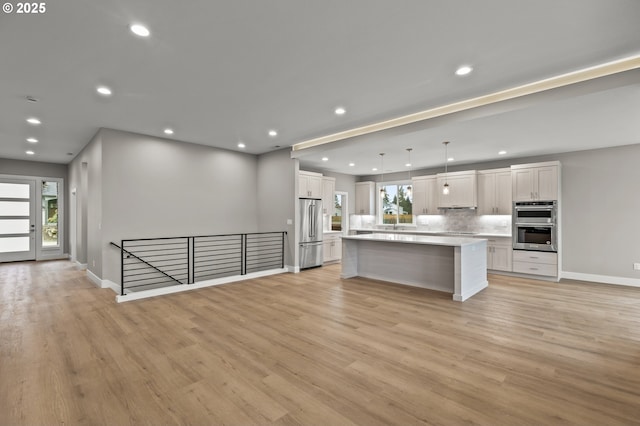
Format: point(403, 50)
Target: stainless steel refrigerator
point(310, 245)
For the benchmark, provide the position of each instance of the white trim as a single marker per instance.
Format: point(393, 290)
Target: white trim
point(471, 292)
point(54, 256)
point(602, 279)
point(80, 265)
point(186, 287)
point(557, 81)
point(292, 269)
point(110, 284)
point(94, 278)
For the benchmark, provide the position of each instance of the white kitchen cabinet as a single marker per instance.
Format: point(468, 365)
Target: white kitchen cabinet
point(535, 262)
point(309, 185)
point(425, 195)
point(499, 254)
point(365, 198)
point(328, 191)
point(462, 189)
point(332, 248)
point(532, 182)
point(494, 191)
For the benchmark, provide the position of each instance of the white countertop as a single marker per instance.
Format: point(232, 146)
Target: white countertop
point(435, 233)
point(332, 232)
point(416, 239)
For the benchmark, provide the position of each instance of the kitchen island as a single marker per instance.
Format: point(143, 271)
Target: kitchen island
point(454, 265)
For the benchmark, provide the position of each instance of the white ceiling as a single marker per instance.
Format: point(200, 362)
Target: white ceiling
point(220, 72)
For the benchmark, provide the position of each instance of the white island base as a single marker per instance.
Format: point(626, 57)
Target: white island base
point(450, 264)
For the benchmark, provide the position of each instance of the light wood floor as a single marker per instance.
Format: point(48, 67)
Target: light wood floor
point(313, 349)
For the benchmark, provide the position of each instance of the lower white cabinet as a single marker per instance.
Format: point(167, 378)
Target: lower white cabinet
point(332, 248)
point(535, 262)
point(499, 254)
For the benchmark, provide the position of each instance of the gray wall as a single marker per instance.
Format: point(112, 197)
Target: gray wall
point(154, 187)
point(40, 169)
point(600, 207)
point(85, 177)
point(277, 197)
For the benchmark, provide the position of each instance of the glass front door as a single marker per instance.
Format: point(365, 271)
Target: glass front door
point(17, 220)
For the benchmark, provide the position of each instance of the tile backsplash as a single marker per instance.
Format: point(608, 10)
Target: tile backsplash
point(458, 220)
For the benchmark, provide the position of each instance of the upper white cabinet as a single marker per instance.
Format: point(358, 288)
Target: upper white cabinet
point(494, 191)
point(462, 189)
point(533, 182)
point(365, 198)
point(309, 184)
point(328, 189)
point(425, 195)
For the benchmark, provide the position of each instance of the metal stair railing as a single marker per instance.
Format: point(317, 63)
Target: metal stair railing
point(159, 262)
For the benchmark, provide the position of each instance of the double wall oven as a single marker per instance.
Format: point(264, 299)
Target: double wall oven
point(535, 225)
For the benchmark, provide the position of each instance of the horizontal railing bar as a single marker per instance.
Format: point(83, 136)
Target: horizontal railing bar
point(217, 240)
point(218, 256)
point(154, 249)
point(169, 282)
point(234, 250)
point(145, 279)
point(206, 236)
point(214, 258)
point(219, 265)
point(255, 265)
point(154, 244)
point(130, 265)
point(139, 272)
point(263, 258)
point(216, 269)
point(166, 257)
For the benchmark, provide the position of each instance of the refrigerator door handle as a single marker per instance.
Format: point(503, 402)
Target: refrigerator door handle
point(311, 224)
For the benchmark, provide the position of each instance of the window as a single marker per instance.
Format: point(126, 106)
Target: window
point(50, 237)
point(396, 205)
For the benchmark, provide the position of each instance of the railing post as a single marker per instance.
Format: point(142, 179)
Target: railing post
point(191, 268)
point(282, 250)
point(243, 253)
point(121, 267)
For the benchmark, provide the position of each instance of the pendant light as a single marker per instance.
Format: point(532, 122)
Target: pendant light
point(409, 189)
point(382, 192)
point(445, 188)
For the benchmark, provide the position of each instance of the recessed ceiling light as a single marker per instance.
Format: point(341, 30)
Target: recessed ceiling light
point(375, 169)
point(502, 152)
point(32, 140)
point(33, 120)
point(103, 90)
point(29, 152)
point(464, 70)
point(408, 165)
point(352, 164)
point(241, 145)
point(340, 111)
point(450, 159)
point(325, 158)
point(168, 131)
point(273, 133)
point(140, 30)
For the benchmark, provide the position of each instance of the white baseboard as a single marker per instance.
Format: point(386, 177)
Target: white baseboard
point(81, 265)
point(292, 269)
point(110, 284)
point(94, 278)
point(187, 287)
point(606, 279)
point(100, 283)
point(470, 292)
